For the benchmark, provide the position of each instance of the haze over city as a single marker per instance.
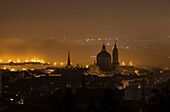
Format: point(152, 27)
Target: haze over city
point(84, 55)
point(47, 29)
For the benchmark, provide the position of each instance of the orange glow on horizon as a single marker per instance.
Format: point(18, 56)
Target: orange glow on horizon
point(62, 64)
point(123, 63)
point(55, 63)
point(12, 69)
point(130, 63)
point(18, 61)
point(24, 69)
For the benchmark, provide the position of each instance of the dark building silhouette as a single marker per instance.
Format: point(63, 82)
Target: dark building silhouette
point(1, 85)
point(104, 59)
point(115, 58)
point(68, 61)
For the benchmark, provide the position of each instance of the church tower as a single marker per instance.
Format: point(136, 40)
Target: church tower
point(115, 57)
point(68, 61)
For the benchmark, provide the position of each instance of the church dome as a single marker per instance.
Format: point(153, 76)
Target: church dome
point(103, 54)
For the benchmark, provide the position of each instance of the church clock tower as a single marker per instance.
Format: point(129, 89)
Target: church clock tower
point(115, 58)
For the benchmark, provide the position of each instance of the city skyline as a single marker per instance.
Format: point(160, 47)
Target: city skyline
point(47, 29)
point(84, 55)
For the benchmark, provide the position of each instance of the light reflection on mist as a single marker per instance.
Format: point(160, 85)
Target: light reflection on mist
point(48, 29)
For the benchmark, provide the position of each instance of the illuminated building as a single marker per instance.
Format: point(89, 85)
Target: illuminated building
point(23, 66)
point(127, 70)
point(93, 70)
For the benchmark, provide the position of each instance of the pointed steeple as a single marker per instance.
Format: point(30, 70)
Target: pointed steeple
point(103, 47)
point(115, 55)
point(68, 61)
point(115, 45)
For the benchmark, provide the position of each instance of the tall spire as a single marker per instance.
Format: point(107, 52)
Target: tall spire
point(68, 61)
point(115, 55)
point(104, 47)
point(115, 44)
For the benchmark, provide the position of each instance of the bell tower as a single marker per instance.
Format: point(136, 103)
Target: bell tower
point(115, 57)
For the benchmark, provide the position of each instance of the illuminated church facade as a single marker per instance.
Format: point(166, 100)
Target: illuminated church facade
point(106, 62)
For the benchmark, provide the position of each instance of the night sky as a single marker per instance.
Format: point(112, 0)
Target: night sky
point(48, 28)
